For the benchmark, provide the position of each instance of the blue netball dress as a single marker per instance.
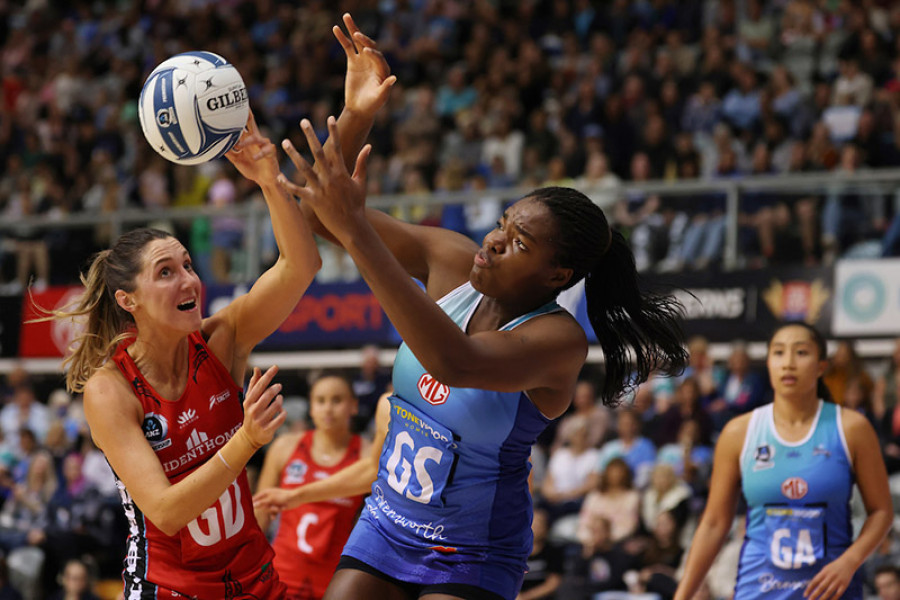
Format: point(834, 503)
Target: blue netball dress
point(798, 496)
point(451, 502)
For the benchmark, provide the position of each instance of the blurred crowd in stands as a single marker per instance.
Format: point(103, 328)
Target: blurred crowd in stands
point(492, 94)
point(618, 492)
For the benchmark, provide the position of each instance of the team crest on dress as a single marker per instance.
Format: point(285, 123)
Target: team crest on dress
point(295, 471)
point(821, 450)
point(764, 457)
point(794, 488)
point(433, 391)
point(156, 430)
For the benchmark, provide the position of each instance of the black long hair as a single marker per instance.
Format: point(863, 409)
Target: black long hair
point(640, 332)
point(818, 339)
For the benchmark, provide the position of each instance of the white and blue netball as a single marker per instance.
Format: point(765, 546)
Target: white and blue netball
point(193, 107)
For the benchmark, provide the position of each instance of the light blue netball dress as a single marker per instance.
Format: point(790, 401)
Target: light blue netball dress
point(798, 515)
point(451, 502)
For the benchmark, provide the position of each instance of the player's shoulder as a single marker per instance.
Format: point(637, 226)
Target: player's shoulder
point(106, 381)
point(735, 430)
point(108, 394)
point(286, 442)
point(854, 423)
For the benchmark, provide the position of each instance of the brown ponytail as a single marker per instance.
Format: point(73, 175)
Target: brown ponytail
point(107, 324)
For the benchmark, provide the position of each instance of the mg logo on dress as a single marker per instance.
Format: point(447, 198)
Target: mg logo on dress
point(794, 488)
point(433, 391)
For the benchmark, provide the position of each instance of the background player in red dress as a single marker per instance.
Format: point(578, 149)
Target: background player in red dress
point(310, 537)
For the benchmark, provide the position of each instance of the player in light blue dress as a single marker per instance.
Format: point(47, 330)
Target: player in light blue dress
point(795, 461)
point(488, 359)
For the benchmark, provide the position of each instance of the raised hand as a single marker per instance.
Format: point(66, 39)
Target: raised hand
point(263, 408)
point(369, 78)
point(254, 155)
point(337, 198)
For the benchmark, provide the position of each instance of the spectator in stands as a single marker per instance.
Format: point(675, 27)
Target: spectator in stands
point(22, 520)
point(786, 98)
point(601, 185)
point(858, 397)
point(571, 472)
point(691, 459)
point(585, 409)
point(506, 144)
point(227, 232)
point(638, 452)
point(545, 564)
point(29, 244)
point(76, 522)
point(640, 213)
point(24, 410)
point(887, 387)
point(614, 499)
point(688, 406)
point(722, 574)
point(741, 106)
point(844, 366)
point(96, 470)
point(709, 375)
point(455, 95)
point(887, 582)
point(598, 566)
point(658, 561)
point(29, 447)
point(853, 86)
point(666, 493)
point(369, 383)
point(741, 390)
point(7, 591)
point(77, 582)
point(756, 33)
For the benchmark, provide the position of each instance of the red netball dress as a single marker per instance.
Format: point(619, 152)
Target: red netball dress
point(223, 552)
point(310, 537)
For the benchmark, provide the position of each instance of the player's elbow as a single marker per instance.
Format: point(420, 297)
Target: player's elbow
point(303, 270)
point(167, 525)
point(715, 526)
point(166, 519)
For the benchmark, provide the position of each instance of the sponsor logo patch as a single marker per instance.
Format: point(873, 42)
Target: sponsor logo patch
point(764, 457)
point(433, 391)
point(156, 430)
point(794, 488)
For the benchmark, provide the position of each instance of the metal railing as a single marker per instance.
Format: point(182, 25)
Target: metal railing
point(883, 182)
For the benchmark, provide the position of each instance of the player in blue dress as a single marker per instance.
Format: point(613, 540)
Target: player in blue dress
point(795, 461)
point(488, 359)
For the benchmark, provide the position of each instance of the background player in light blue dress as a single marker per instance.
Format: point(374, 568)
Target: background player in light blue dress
point(795, 461)
point(488, 359)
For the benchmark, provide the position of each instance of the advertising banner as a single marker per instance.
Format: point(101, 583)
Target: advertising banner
point(867, 298)
point(335, 315)
point(720, 306)
point(47, 339)
point(748, 305)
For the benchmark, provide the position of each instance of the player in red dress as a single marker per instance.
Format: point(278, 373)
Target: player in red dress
point(310, 537)
point(162, 396)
